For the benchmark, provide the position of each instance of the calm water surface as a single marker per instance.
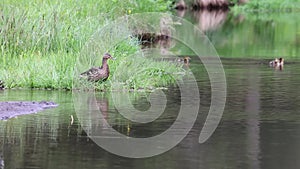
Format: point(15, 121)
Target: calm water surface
point(260, 127)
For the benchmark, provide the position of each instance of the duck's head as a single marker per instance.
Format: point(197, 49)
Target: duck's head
point(107, 56)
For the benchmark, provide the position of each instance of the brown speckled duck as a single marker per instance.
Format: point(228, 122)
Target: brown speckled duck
point(96, 74)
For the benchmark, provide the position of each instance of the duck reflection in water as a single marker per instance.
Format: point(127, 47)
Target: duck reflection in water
point(103, 105)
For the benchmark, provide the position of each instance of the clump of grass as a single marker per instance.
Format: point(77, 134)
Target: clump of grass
point(54, 71)
point(145, 73)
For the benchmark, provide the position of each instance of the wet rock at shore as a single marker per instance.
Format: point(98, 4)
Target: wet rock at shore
point(12, 109)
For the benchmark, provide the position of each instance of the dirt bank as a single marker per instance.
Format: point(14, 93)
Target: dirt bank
point(15, 108)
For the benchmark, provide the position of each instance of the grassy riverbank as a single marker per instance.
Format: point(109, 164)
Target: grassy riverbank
point(41, 40)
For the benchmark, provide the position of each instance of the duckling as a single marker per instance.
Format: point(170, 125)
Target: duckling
point(185, 60)
point(2, 86)
point(277, 62)
point(281, 62)
point(274, 62)
point(96, 74)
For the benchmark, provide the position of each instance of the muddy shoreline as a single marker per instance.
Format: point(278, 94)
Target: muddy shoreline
point(12, 109)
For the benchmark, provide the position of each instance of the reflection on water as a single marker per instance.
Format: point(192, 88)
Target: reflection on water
point(202, 4)
point(206, 20)
point(260, 35)
point(259, 129)
point(210, 20)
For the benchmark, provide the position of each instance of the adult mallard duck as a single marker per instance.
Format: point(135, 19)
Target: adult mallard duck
point(98, 73)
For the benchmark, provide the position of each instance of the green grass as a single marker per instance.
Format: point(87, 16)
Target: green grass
point(30, 70)
point(41, 40)
point(61, 25)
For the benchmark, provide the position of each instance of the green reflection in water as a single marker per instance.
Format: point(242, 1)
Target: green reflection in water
point(256, 35)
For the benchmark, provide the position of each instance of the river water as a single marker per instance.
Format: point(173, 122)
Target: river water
point(260, 126)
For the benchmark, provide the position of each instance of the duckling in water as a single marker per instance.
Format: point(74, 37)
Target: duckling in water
point(281, 62)
point(185, 60)
point(274, 62)
point(2, 86)
point(277, 62)
point(98, 73)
